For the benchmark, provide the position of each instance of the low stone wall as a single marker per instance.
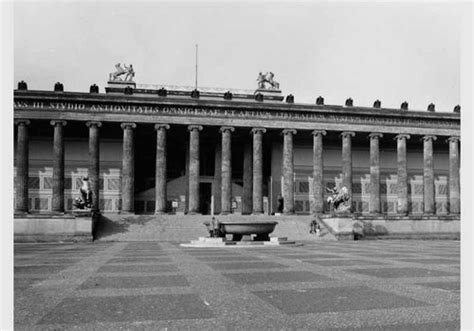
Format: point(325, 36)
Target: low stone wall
point(48, 228)
point(426, 227)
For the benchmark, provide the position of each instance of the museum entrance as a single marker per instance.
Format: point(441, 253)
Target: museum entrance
point(205, 194)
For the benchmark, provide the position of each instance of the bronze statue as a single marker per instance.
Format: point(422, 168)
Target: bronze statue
point(85, 201)
point(267, 78)
point(127, 71)
point(338, 199)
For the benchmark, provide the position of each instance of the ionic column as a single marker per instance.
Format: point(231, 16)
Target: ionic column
point(194, 169)
point(347, 163)
point(160, 168)
point(247, 180)
point(226, 171)
point(257, 184)
point(402, 174)
point(454, 182)
point(128, 168)
point(428, 176)
point(318, 175)
point(288, 172)
point(21, 180)
point(374, 202)
point(94, 162)
point(57, 203)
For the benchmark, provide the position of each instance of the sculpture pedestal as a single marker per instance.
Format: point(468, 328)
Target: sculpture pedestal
point(341, 226)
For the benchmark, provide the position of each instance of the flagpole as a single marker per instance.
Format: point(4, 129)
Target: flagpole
point(196, 82)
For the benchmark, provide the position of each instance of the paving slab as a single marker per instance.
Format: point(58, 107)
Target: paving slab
point(275, 277)
point(334, 300)
point(129, 308)
point(134, 282)
point(402, 272)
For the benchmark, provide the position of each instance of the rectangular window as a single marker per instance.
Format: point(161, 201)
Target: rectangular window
point(34, 182)
point(47, 183)
point(113, 184)
point(299, 205)
point(356, 188)
point(383, 188)
point(67, 183)
point(303, 187)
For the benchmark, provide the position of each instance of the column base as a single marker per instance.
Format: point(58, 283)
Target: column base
point(225, 213)
point(429, 213)
point(257, 213)
point(21, 213)
point(159, 212)
point(288, 213)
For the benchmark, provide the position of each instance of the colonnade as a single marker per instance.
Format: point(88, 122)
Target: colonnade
point(252, 197)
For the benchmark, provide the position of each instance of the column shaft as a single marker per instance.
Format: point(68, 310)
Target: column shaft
point(22, 165)
point(374, 202)
point(429, 206)
point(226, 170)
point(402, 173)
point(128, 168)
point(57, 203)
point(257, 185)
point(288, 172)
point(94, 162)
point(454, 180)
point(217, 186)
point(347, 164)
point(318, 173)
point(194, 169)
point(247, 180)
point(160, 169)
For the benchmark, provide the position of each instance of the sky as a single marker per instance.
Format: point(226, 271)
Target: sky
point(393, 52)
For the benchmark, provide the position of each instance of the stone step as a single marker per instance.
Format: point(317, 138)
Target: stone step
point(183, 228)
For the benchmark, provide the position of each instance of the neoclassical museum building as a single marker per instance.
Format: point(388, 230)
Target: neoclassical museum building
point(168, 150)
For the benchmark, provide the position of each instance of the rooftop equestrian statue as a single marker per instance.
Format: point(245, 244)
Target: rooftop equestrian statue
point(267, 78)
point(127, 71)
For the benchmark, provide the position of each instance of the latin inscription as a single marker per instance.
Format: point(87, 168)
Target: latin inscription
point(215, 112)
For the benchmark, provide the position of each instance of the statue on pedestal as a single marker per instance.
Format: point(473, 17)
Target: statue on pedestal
point(127, 71)
point(267, 78)
point(85, 201)
point(338, 200)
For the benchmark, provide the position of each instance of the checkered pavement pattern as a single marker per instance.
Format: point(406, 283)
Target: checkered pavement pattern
point(353, 285)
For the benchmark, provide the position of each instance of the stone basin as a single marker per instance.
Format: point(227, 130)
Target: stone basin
point(239, 229)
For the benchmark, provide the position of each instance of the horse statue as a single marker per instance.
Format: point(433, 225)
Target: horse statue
point(127, 71)
point(338, 199)
point(267, 78)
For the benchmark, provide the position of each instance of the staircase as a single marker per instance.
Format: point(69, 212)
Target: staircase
point(183, 228)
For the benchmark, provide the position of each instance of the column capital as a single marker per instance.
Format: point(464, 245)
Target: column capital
point(402, 136)
point(317, 132)
point(256, 130)
point(453, 139)
point(347, 133)
point(160, 126)
point(428, 137)
point(93, 123)
point(128, 125)
point(287, 131)
point(227, 128)
point(375, 135)
point(58, 123)
point(22, 122)
point(194, 127)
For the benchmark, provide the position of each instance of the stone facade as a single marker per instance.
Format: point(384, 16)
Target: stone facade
point(170, 153)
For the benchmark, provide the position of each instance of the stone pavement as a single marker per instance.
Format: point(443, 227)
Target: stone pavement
point(365, 285)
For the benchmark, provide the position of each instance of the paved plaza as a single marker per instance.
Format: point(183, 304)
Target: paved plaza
point(365, 285)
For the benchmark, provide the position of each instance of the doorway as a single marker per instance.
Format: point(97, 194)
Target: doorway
point(205, 192)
